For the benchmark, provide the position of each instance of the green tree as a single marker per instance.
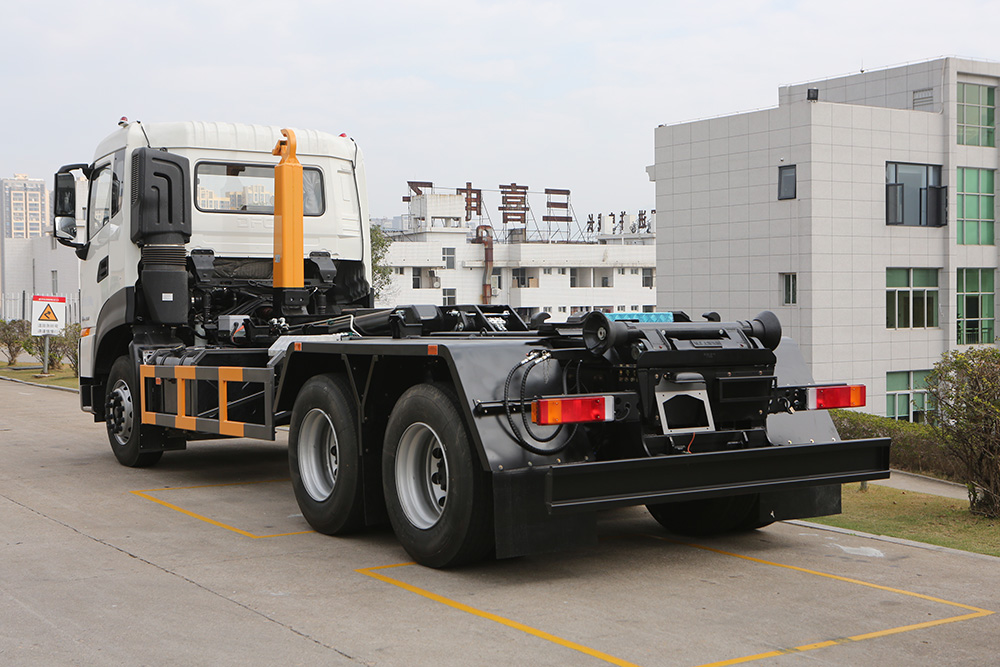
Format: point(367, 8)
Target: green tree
point(965, 390)
point(13, 334)
point(381, 272)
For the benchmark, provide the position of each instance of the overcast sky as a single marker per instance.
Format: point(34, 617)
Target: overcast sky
point(562, 94)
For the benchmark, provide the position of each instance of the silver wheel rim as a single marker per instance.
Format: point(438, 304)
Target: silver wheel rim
point(421, 475)
point(319, 454)
point(121, 412)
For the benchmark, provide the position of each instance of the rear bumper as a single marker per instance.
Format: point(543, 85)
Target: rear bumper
point(554, 507)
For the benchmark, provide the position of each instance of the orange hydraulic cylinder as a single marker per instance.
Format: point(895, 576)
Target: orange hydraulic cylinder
point(288, 245)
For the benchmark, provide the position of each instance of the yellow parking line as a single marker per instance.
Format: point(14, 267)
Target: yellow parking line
point(976, 611)
point(370, 571)
point(145, 494)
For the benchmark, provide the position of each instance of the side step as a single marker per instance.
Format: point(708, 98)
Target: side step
point(205, 399)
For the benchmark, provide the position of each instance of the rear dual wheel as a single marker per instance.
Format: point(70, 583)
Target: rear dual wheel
point(709, 516)
point(324, 456)
point(438, 497)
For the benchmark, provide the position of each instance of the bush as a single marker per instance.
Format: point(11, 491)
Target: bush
point(35, 346)
point(915, 447)
point(68, 346)
point(965, 389)
point(13, 334)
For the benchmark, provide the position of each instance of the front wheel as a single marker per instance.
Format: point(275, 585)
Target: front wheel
point(437, 496)
point(323, 455)
point(121, 407)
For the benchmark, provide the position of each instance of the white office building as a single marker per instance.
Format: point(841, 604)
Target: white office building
point(437, 259)
point(860, 210)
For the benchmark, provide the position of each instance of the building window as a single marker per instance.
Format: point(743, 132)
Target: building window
point(416, 277)
point(547, 271)
point(448, 257)
point(572, 278)
point(448, 296)
point(975, 206)
point(621, 272)
point(911, 298)
point(647, 277)
point(976, 114)
point(400, 270)
point(906, 395)
point(55, 282)
point(975, 306)
point(923, 99)
point(789, 289)
point(519, 277)
point(497, 278)
point(562, 309)
point(786, 182)
point(914, 195)
point(634, 272)
point(562, 272)
point(649, 309)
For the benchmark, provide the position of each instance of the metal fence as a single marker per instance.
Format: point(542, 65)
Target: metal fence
point(17, 306)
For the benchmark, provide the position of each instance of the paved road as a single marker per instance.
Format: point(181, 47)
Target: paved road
point(205, 560)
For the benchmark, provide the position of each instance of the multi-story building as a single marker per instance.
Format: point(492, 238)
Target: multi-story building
point(860, 210)
point(437, 259)
point(24, 206)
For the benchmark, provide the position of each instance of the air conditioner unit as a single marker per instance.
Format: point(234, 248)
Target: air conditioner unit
point(436, 282)
point(495, 292)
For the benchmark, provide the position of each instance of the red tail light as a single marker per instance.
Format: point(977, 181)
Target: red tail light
point(844, 396)
point(576, 410)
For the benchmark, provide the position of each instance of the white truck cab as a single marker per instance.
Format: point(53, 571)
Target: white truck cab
point(230, 192)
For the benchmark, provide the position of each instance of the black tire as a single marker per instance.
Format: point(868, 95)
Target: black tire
point(708, 516)
point(121, 403)
point(324, 457)
point(438, 497)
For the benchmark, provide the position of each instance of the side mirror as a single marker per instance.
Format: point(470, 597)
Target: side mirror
point(64, 209)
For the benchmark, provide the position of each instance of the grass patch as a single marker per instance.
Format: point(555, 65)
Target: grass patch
point(62, 378)
point(916, 516)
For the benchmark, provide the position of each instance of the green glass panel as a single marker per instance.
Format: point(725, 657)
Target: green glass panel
point(932, 308)
point(903, 309)
point(970, 182)
point(987, 306)
point(897, 381)
point(990, 96)
point(919, 309)
point(972, 232)
point(925, 277)
point(986, 232)
point(961, 92)
point(918, 401)
point(971, 94)
point(960, 206)
point(990, 116)
point(890, 309)
point(897, 277)
point(986, 181)
point(960, 276)
point(890, 406)
point(986, 207)
point(961, 135)
point(971, 207)
point(972, 115)
point(920, 379)
point(989, 136)
point(988, 331)
point(986, 282)
point(903, 406)
point(972, 136)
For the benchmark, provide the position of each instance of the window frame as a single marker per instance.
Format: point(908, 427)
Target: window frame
point(783, 192)
point(908, 395)
point(984, 301)
point(964, 195)
point(932, 197)
point(789, 289)
point(225, 163)
point(894, 299)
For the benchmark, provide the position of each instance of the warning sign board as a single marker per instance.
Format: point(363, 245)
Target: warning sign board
point(48, 315)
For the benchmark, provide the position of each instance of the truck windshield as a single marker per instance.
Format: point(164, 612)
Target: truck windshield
point(245, 188)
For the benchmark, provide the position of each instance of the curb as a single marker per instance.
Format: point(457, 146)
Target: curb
point(893, 540)
point(39, 384)
point(925, 478)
